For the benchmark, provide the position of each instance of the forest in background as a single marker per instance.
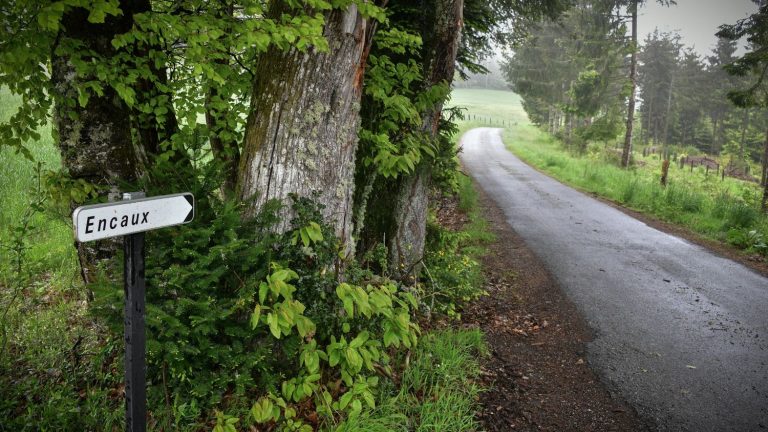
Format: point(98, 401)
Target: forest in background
point(575, 77)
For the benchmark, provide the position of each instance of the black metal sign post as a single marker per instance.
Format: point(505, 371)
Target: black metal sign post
point(130, 218)
point(135, 338)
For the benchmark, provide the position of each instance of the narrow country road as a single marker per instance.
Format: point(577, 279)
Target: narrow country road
point(680, 333)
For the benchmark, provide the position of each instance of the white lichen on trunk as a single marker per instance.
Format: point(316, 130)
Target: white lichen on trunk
point(301, 134)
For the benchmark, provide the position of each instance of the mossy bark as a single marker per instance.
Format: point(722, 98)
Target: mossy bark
point(301, 133)
point(764, 180)
point(95, 139)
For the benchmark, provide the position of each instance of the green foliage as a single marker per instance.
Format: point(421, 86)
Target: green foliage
point(392, 139)
point(453, 277)
point(752, 63)
point(568, 72)
point(238, 313)
point(752, 240)
point(437, 392)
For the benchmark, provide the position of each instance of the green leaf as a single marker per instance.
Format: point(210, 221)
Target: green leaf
point(263, 410)
point(288, 389)
point(368, 397)
point(345, 400)
point(255, 316)
point(359, 340)
point(354, 359)
point(274, 325)
point(82, 97)
point(304, 325)
point(263, 289)
point(315, 232)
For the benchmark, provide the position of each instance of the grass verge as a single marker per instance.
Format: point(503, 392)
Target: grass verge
point(725, 210)
point(700, 201)
point(437, 391)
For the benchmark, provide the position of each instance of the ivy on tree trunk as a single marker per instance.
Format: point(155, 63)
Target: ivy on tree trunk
point(441, 38)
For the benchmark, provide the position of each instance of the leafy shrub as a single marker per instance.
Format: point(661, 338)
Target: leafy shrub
point(452, 277)
point(748, 239)
point(238, 313)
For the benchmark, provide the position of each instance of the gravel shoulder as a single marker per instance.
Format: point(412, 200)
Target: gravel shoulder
point(537, 375)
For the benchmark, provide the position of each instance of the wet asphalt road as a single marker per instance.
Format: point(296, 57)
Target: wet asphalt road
point(680, 333)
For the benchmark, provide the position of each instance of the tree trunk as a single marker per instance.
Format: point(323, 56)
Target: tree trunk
point(95, 139)
point(645, 123)
point(441, 43)
point(664, 172)
point(301, 133)
point(765, 174)
point(744, 126)
point(666, 115)
point(626, 154)
point(715, 130)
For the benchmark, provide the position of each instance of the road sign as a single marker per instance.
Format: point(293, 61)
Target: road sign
point(100, 221)
point(130, 218)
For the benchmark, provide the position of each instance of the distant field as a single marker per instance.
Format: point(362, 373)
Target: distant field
point(497, 106)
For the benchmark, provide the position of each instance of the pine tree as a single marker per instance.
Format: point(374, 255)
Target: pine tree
point(753, 64)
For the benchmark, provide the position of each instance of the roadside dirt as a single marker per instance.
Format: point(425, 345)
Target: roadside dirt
point(537, 374)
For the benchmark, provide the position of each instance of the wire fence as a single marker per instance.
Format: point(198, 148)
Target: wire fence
point(489, 120)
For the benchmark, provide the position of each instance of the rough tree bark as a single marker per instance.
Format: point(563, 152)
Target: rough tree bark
point(94, 140)
point(765, 174)
point(301, 133)
point(441, 42)
point(626, 154)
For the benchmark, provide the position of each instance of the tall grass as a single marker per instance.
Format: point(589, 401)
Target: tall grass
point(437, 392)
point(41, 312)
point(703, 202)
point(50, 241)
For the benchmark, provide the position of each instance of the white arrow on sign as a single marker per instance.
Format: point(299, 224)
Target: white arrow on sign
point(100, 221)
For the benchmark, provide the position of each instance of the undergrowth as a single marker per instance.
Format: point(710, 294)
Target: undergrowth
point(246, 328)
